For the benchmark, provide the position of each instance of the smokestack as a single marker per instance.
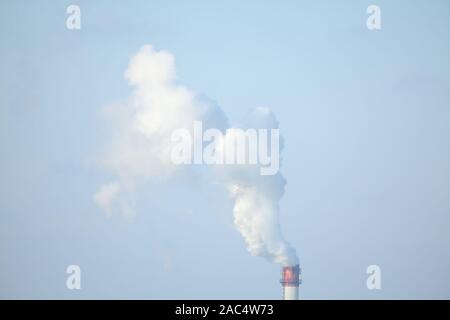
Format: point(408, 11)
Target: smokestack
point(290, 280)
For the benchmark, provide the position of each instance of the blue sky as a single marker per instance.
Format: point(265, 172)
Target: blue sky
point(365, 116)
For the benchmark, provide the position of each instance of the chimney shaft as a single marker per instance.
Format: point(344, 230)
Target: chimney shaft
point(290, 280)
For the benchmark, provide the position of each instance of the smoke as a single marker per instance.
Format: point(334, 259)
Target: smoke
point(140, 148)
point(256, 198)
point(140, 152)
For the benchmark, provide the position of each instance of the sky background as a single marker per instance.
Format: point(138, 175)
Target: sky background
point(366, 121)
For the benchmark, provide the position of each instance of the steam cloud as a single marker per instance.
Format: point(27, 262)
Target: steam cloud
point(140, 152)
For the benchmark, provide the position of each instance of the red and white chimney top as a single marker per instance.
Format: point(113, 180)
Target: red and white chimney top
point(290, 280)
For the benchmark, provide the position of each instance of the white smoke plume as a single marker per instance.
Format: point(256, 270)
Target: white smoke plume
point(140, 148)
point(140, 152)
point(256, 199)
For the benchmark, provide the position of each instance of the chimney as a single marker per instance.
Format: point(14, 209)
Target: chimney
point(290, 280)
